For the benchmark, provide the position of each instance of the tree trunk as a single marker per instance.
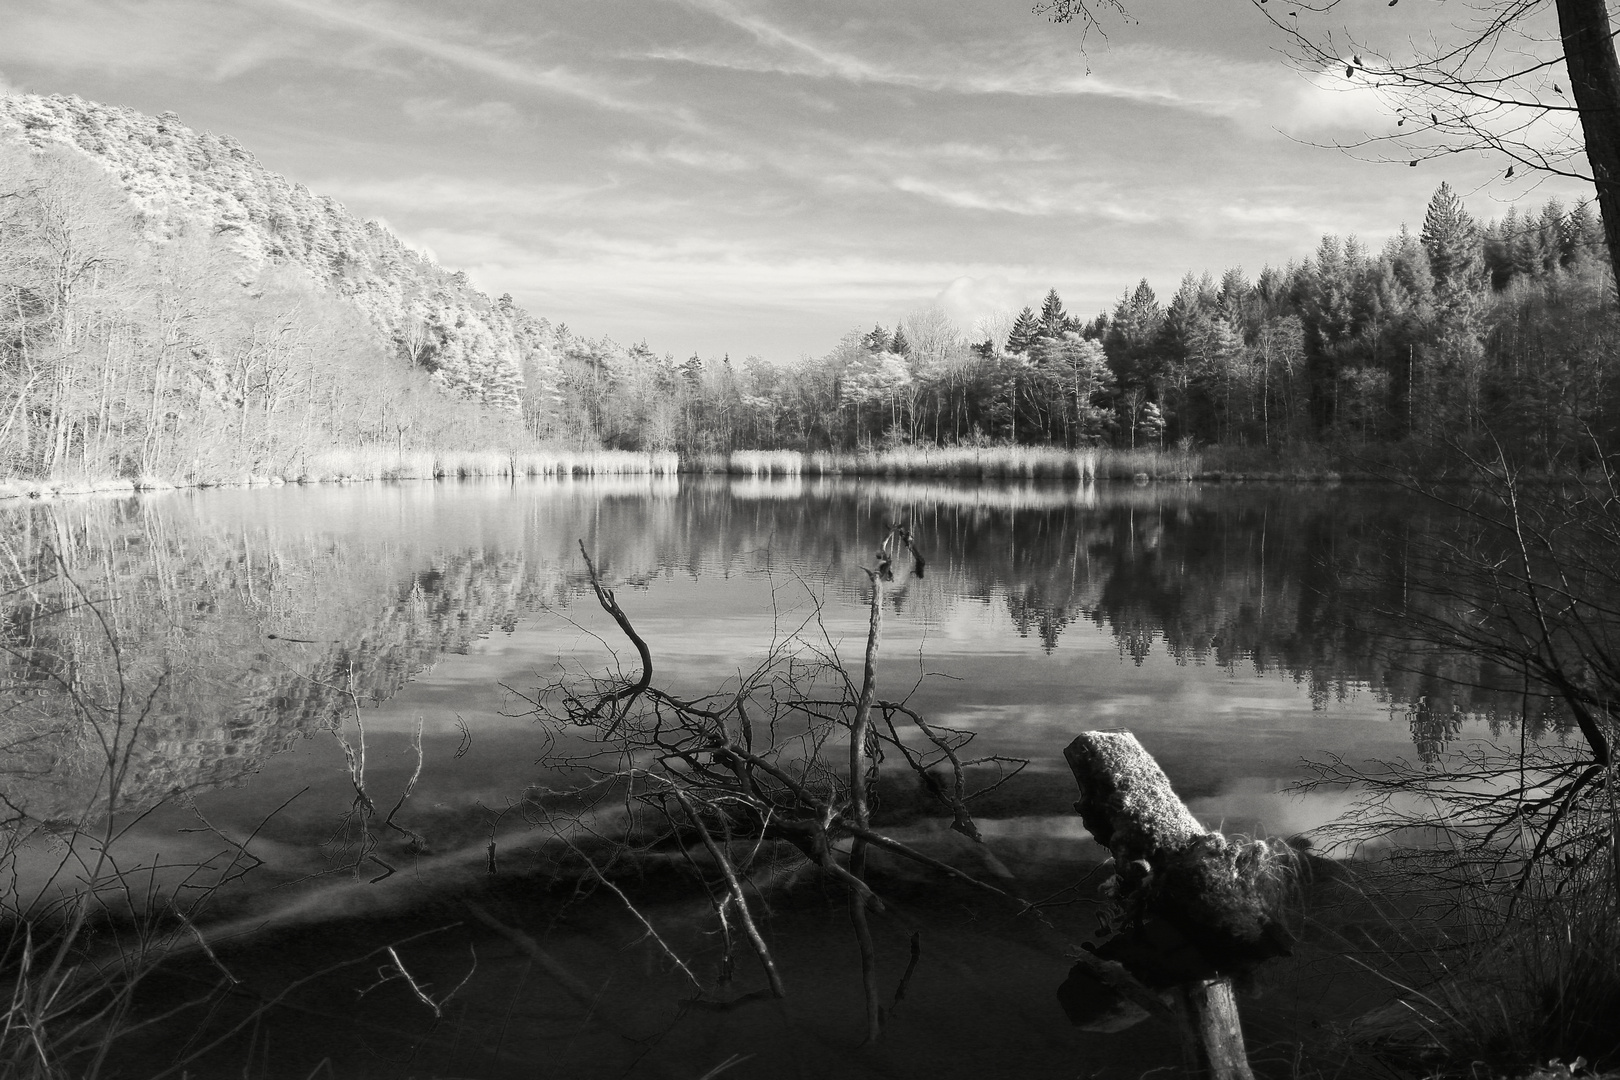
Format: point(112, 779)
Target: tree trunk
point(1594, 79)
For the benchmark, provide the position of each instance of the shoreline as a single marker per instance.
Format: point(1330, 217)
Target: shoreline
point(995, 464)
point(40, 490)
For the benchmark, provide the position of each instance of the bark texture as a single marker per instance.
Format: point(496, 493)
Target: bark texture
point(1594, 80)
point(1225, 894)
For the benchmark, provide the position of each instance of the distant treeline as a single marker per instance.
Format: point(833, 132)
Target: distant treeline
point(1454, 332)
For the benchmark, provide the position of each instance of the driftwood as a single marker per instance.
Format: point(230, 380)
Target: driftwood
point(1194, 907)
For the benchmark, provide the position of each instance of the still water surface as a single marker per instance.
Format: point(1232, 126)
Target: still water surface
point(231, 633)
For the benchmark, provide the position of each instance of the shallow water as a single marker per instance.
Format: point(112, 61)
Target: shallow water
point(234, 645)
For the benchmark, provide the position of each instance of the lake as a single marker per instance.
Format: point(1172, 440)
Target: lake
point(243, 656)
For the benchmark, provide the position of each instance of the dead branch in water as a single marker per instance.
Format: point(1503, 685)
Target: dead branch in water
point(619, 698)
point(741, 780)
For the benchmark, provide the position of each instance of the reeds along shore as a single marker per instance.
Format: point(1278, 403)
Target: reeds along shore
point(969, 462)
point(341, 465)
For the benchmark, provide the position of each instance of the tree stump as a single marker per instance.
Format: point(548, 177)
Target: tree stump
point(1196, 907)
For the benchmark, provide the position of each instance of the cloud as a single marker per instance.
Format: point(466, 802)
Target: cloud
point(481, 197)
point(963, 153)
point(175, 37)
point(1018, 195)
point(442, 113)
point(1328, 100)
point(187, 38)
point(452, 44)
point(968, 300)
point(1262, 213)
point(1020, 67)
point(691, 157)
point(814, 58)
point(693, 273)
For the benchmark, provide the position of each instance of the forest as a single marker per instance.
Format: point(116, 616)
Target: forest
point(172, 310)
point(1459, 330)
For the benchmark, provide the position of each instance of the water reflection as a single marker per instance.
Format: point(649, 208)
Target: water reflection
point(224, 627)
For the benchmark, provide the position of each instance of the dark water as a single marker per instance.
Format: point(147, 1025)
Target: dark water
point(225, 649)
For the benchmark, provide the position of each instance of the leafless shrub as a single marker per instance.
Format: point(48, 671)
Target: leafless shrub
point(1502, 853)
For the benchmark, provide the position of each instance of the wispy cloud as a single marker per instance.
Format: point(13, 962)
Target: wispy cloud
point(184, 38)
point(169, 36)
point(999, 195)
point(440, 112)
point(448, 42)
point(814, 58)
point(462, 195)
point(708, 159)
point(1146, 74)
point(963, 153)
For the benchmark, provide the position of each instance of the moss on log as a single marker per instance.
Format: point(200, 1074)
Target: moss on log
point(1226, 894)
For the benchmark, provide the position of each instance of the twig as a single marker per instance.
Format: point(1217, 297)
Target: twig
point(630, 691)
point(911, 967)
point(737, 896)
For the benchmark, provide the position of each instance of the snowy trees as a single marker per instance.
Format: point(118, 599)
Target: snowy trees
point(181, 180)
point(125, 355)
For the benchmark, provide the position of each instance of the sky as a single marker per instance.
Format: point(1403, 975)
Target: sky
point(759, 177)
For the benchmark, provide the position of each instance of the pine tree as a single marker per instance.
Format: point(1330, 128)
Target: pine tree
point(1523, 247)
point(1054, 320)
point(1132, 331)
point(1456, 257)
point(1582, 236)
point(1234, 300)
point(898, 343)
point(1410, 262)
point(877, 340)
point(1328, 297)
point(1549, 235)
point(1025, 331)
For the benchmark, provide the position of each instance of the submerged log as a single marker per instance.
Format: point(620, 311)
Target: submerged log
point(1196, 907)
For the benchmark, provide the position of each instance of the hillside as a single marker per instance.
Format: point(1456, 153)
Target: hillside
point(182, 180)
